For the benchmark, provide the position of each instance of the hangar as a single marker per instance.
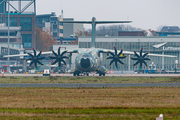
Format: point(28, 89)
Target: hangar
point(168, 45)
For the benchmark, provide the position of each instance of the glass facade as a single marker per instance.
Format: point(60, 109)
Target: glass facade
point(1, 7)
point(27, 40)
point(1, 19)
point(170, 48)
point(26, 23)
point(13, 21)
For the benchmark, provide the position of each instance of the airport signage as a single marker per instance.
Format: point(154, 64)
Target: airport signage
point(171, 48)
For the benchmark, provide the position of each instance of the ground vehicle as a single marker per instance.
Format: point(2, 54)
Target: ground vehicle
point(46, 72)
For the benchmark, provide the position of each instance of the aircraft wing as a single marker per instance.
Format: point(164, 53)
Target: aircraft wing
point(132, 53)
point(43, 53)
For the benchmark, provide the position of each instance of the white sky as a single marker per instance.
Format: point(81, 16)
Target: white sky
point(145, 14)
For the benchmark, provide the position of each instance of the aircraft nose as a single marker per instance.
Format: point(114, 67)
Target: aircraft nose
point(85, 63)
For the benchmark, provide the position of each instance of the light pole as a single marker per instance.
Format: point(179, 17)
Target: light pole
point(8, 70)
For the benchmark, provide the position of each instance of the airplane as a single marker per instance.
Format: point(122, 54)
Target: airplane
point(88, 59)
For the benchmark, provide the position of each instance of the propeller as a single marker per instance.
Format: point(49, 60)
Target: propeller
point(141, 58)
point(116, 57)
point(35, 59)
point(59, 57)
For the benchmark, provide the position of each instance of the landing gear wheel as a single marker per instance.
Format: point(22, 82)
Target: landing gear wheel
point(77, 74)
point(104, 74)
point(99, 74)
point(87, 74)
point(74, 74)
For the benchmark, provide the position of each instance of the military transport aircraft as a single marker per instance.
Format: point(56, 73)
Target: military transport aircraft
point(88, 59)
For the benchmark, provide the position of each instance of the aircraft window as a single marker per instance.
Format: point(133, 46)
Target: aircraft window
point(85, 55)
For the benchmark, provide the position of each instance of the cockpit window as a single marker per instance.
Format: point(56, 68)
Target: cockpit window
point(85, 55)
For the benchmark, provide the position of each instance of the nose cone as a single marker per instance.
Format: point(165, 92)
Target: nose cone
point(85, 63)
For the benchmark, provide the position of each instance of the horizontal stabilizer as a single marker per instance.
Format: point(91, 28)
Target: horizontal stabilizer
point(96, 22)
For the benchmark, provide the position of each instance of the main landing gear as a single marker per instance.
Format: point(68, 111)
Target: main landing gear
point(101, 74)
point(80, 74)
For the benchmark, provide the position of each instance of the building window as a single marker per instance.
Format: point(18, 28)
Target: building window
point(27, 40)
point(12, 21)
point(61, 23)
point(26, 24)
point(54, 34)
point(61, 30)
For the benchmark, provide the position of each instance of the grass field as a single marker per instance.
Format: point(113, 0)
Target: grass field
point(55, 79)
point(104, 103)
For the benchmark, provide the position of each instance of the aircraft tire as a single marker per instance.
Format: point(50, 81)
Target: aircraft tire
point(104, 74)
point(74, 74)
point(77, 74)
point(99, 74)
point(87, 74)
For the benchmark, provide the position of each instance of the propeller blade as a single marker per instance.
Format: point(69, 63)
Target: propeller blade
point(136, 54)
point(147, 59)
point(39, 54)
point(65, 57)
point(116, 64)
point(141, 52)
point(59, 51)
point(134, 58)
point(111, 62)
point(35, 64)
point(41, 58)
point(115, 50)
point(120, 52)
point(122, 57)
point(29, 59)
point(34, 52)
point(31, 63)
point(135, 63)
point(109, 58)
point(59, 64)
point(121, 62)
point(111, 53)
point(52, 57)
point(40, 63)
point(63, 53)
point(145, 63)
point(145, 54)
point(54, 53)
point(64, 62)
point(30, 55)
point(140, 64)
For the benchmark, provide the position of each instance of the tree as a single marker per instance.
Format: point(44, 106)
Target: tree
point(44, 39)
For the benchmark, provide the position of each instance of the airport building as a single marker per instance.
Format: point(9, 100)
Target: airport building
point(167, 45)
point(22, 14)
point(52, 23)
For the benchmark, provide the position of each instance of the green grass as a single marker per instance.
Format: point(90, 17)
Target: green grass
point(57, 79)
point(118, 113)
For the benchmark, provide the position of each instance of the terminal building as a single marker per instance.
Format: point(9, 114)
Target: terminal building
point(167, 45)
point(21, 16)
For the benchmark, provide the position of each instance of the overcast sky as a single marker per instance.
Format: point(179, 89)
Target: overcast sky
point(145, 14)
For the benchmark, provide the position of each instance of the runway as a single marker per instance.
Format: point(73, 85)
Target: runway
point(107, 75)
point(92, 85)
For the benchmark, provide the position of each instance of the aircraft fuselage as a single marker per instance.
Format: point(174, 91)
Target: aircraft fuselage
point(87, 60)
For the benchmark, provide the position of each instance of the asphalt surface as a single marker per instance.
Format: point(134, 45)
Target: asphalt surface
point(96, 85)
point(93, 85)
point(108, 75)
